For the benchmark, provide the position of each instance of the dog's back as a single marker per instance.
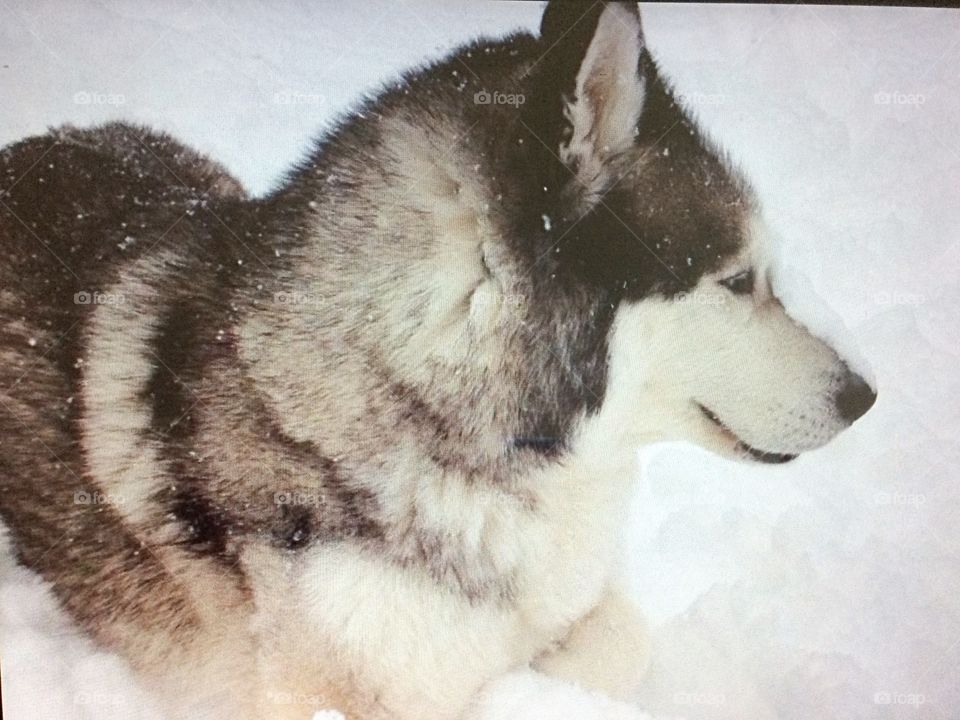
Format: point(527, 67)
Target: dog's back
point(77, 207)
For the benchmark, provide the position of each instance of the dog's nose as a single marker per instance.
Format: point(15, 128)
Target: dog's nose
point(855, 398)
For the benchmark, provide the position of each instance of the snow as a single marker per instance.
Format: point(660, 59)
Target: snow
point(826, 588)
point(328, 715)
point(526, 695)
point(49, 669)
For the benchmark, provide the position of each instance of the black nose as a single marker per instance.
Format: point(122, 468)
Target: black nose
point(855, 398)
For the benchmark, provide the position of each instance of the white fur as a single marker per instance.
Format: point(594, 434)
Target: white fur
point(397, 624)
point(393, 627)
point(769, 380)
point(116, 369)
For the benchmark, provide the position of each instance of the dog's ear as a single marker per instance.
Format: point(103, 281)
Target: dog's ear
point(593, 53)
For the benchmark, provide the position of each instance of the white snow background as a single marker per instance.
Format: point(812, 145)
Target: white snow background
point(828, 588)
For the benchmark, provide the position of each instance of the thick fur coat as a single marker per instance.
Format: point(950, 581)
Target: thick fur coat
point(366, 442)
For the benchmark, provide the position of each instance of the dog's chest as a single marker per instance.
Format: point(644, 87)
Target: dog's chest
point(569, 547)
point(394, 620)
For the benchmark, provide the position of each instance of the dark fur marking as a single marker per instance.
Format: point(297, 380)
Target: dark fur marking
point(207, 528)
point(414, 409)
point(545, 445)
point(295, 527)
point(656, 230)
point(448, 568)
point(167, 389)
point(351, 508)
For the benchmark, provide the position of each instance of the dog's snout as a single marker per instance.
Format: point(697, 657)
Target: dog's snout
point(855, 398)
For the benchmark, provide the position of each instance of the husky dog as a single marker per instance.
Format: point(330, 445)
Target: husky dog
point(365, 443)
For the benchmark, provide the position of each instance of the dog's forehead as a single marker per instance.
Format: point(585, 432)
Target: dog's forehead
point(692, 211)
point(673, 218)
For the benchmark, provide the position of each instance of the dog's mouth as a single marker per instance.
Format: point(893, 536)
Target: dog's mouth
point(773, 458)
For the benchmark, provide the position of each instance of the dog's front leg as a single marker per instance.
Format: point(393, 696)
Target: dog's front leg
point(606, 650)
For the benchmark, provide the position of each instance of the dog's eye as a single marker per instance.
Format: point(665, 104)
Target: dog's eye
point(739, 284)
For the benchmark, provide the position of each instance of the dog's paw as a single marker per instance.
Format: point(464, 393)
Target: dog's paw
point(529, 695)
point(607, 650)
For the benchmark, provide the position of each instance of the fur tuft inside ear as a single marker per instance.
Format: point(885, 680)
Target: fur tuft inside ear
point(608, 93)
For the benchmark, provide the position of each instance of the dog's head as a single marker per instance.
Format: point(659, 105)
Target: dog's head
point(578, 253)
point(635, 207)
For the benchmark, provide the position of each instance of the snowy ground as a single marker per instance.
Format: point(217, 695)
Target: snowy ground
point(829, 588)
